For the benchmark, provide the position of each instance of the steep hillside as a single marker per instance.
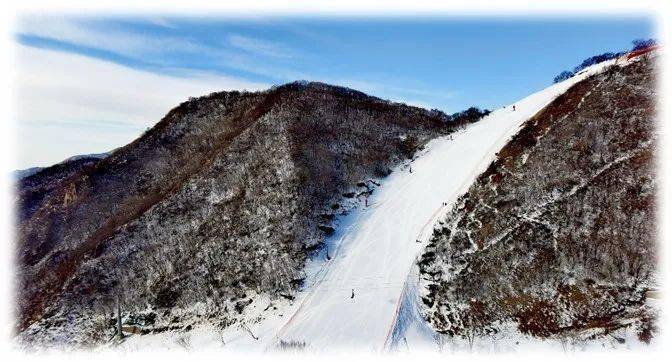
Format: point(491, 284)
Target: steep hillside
point(222, 199)
point(557, 237)
point(39, 182)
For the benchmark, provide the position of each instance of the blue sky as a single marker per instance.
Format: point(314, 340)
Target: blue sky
point(92, 84)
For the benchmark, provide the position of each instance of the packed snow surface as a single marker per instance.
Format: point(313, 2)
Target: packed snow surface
point(376, 254)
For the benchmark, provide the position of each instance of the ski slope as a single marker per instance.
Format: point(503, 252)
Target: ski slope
point(375, 255)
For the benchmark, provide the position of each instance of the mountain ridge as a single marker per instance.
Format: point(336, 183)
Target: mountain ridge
point(207, 166)
point(556, 239)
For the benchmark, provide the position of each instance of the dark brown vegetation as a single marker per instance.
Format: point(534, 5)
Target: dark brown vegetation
point(224, 197)
point(558, 235)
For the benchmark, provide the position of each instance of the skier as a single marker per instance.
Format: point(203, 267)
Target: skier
point(410, 169)
point(353, 294)
point(366, 201)
point(514, 107)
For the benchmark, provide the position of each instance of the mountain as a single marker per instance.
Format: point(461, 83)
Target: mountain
point(556, 239)
point(23, 173)
point(360, 290)
point(222, 200)
point(316, 217)
point(69, 163)
point(358, 301)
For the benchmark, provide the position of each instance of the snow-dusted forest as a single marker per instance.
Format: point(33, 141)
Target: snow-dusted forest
point(315, 217)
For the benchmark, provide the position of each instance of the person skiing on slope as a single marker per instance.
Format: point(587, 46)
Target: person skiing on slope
point(514, 107)
point(353, 294)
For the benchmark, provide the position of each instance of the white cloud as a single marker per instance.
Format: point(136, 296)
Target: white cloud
point(237, 52)
point(85, 33)
point(70, 104)
point(162, 22)
point(259, 46)
point(97, 105)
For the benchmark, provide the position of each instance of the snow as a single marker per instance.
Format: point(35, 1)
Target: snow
point(374, 249)
point(376, 255)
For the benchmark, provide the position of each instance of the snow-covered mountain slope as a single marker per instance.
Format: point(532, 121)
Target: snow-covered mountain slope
point(361, 292)
point(557, 239)
point(211, 245)
point(362, 296)
point(212, 210)
point(373, 259)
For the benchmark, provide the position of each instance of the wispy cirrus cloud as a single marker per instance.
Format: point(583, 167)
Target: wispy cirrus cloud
point(86, 33)
point(237, 52)
point(162, 22)
point(252, 55)
point(74, 99)
point(70, 104)
point(259, 46)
